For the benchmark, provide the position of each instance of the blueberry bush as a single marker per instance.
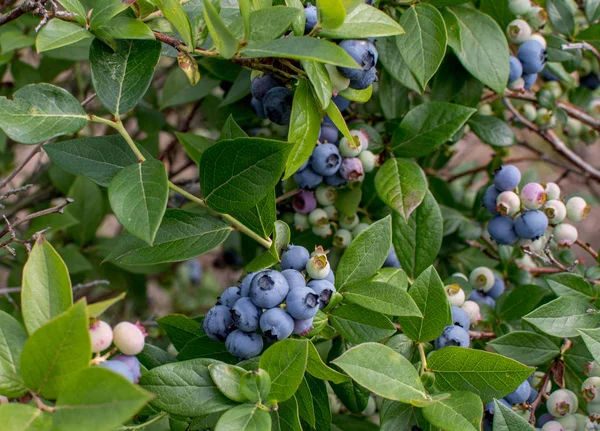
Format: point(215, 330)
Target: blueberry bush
point(255, 215)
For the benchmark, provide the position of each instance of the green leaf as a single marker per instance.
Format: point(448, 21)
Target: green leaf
point(245, 9)
point(24, 417)
point(563, 316)
point(592, 10)
point(529, 348)
point(57, 350)
point(178, 90)
point(46, 286)
point(486, 374)
point(382, 298)
point(382, 371)
point(267, 24)
point(320, 401)
point(121, 77)
point(182, 235)
point(428, 126)
point(58, 33)
point(362, 22)
point(359, 325)
point(39, 112)
point(332, 13)
point(98, 158)
point(418, 240)
point(591, 338)
point(180, 329)
point(401, 184)
point(256, 385)
point(348, 201)
point(98, 308)
point(245, 417)
point(12, 339)
point(237, 174)
point(492, 130)
point(104, 10)
point(287, 416)
point(393, 96)
point(99, 399)
point(87, 208)
point(461, 411)
point(261, 217)
point(285, 362)
point(482, 48)
point(138, 196)
point(316, 367)
point(428, 293)
point(185, 388)
point(570, 285)
point(194, 145)
point(320, 82)
point(300, 48)
point(227, 378)
point(174, 12)
point(505, 419)
point(398, 416)
point(298, 23)
point(124, 27)
point(222, 36)
point(391, 59)
point(521, 301)
point(76, 8)
point(366, 254)
point(338, 119)
point(305, 126)
point(231, 130)
point(394, 276)
point(423, 46)
point(361, 96)
point(498, 10)
point(281, 238)
point(561, 16)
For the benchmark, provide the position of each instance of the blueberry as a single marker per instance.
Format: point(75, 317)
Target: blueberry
point(341, 102)
point(365, 81)
point(244, 345)
point(129, 338)
point(544, 419)
point(532, 396)
point(519, 395)
point(311, 18)
point(452, 336)
point(363, 52)
point(294, 257)
point(591, 81)
point(307, 178)
point(532, 56)
point(119, 368)
point(132, 363)
point(326, 159)
point(330, 277)
point(302, 326)
point(529, 80)
point(506, 178)
point(497, 289)
point(548, 75)
point(502, 230)
point(516, 69)
point(246, 283)
point(276, 324)
point(302, 303)
point(482, 298)
point(258, 108)
point(269, 289)
point(218, 323)
point(328, 133)
point(245, 314)
point(391, 261)
point(278, 105)
point(531, 224)
point(229, 296)
point(195, 270)
point(335, 180)
point(490, 408)
point(352, 169)
point(489, 199)
point(261, 86)
point(460, 317)
point(304, 202)
point(324, 289)
point(294, 278)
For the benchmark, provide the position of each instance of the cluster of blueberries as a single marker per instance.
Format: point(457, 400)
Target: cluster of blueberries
point(128, 338)
point(527, 216)
point(278, 303)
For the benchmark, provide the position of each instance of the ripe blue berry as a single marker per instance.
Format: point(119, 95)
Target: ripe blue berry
point(245, 314)
point(302, 303)
point(218, 323)
point(329, 133)
point(311, 18)
point(516, 69)
point(129, 338)
point(482, 298)
point(324, 289)
point(460, 317)
point(452, 336)
point(531, 224)
point(326, 159)
point(341, 102)
point(365, 81)
point(519, 395)
point(294, 257)
point(489, 199)
point(278, 105)
point(132, 363)
point(269, 289)
point(258, 108)
point(529, 80)
point(261, 85)
point(302, 326)
point(391, 261)
point(304, 202)
point(246, 283)
point(119, 368)
point(502, 230)
point(330, 277)
point(532, 396)
point(335, 180)
point(532, 56)
point(497, 289)
point(308, 178)
point(490, 408)
point(363, 52)
point(590, 81)
point(229, 296)
point(507, 177)
point(276, 324)
point(244, 345)
point(294, 278)
point(101, 335)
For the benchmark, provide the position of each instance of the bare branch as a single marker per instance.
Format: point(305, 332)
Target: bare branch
point(19, 168)
point(7, 290)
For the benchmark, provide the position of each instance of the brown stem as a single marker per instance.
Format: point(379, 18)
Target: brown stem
point(587, 247)
point(536, 402)
point(19, 168)
point(287, 195)
point(481, 335)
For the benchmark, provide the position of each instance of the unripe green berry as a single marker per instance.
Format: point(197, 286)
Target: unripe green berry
point(331, 211)
point(556, 211)
point(552, 191)
point(349, 149)
point(592, 369)
point(342, 238)
point(517, 85)
point(318, 267)
point(485, 109)
point(349, 222)
point(565, 235)
point(554, 87)
point(536, 17)
point(301, 221)
point(359, 228)
point(326, 195)
point(573, 127)
point(508, 203)
point(562, 402)
point(324, 231)
point(590, 389)
point(460, 275)
point(482, 278)
point(368, 159)
point(519, 7)
point(318, 217)
point(518, 31)
point(528, 111)
point(577, 209)
point(473, 310)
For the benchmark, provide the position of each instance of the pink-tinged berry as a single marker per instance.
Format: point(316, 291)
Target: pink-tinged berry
point(101, 335)
point(555, 210)
point(456, 296)
point(533, 196)
point(562, 402)
point(129, 338)
point(552, 191)
point(473, 310)
point(304, 202)
point(565, 234)
point(352, 169)
point(577, 209)
point(508, 203)
point(363, 138)
point(592, 369)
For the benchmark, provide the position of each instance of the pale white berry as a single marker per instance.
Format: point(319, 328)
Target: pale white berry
point(101, 336)
point(518, 31)
point(473, 310)
point(508, 203)
point(482, 278)
point(577, 209)
point(555, 210)
point(129, 338)
point(552, 191)
point(456, 296)
point(565, 234)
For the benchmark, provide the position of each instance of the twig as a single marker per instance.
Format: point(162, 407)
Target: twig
point(40, 404)
point(587, 247)
point(14, 192)
point(536, 402)
point(88, 99)
point(581, 45)
point(287, 195)
point(19, 168)
point(28, 6)
point(6, 290)
point(481, 335)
